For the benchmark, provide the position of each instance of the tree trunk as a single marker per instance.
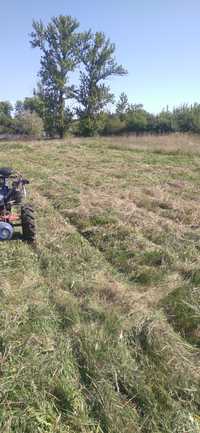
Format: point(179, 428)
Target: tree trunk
point(61, 115)
point(61, 133)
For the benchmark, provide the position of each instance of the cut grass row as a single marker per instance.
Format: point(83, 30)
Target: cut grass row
point(75, 356)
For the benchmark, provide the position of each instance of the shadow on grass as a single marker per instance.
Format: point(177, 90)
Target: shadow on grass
point(17, 236)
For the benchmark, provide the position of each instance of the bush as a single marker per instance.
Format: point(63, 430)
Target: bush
point(137, 121)
point(164, 123)
point(89, 127)
point(114, 125)
point(6, 121)
point(30, 124)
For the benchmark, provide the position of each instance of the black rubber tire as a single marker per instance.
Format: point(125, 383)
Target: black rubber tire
point(28, 223)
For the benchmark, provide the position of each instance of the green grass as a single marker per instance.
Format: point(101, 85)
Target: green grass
point(182, 307)
point(100, 322)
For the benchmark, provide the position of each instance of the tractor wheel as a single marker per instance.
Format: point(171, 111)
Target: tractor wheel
point(28, 223)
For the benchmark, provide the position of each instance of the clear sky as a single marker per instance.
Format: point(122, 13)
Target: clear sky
point(158, 41)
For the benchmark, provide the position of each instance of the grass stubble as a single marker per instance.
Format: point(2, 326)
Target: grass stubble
point(100, 323)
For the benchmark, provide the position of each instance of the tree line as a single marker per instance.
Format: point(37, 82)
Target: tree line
point(59, 106)
point(26, 119)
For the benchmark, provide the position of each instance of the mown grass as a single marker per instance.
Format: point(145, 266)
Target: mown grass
point(100, 322)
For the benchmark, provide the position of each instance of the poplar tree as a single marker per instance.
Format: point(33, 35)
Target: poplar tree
point(98, 64)
point(58, 42)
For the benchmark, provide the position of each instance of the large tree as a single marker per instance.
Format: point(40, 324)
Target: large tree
point(58, 42)
point(99, 63)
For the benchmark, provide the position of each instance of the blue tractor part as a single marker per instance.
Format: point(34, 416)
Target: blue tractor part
point(12, 194)
point(6, 231)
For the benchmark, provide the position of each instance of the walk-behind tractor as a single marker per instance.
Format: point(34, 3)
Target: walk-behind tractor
point(13, 211)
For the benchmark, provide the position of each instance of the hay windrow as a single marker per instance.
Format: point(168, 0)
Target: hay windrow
point(100, 322)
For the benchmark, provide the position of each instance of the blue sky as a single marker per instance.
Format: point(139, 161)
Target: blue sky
point(158, 41)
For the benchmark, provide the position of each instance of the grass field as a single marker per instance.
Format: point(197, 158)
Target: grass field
point(100, 322)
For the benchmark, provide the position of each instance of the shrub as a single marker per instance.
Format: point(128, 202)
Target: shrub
point(6, 121)
point(90, 127)
point(30, 124)
point(137, 121)
point(114, 125)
